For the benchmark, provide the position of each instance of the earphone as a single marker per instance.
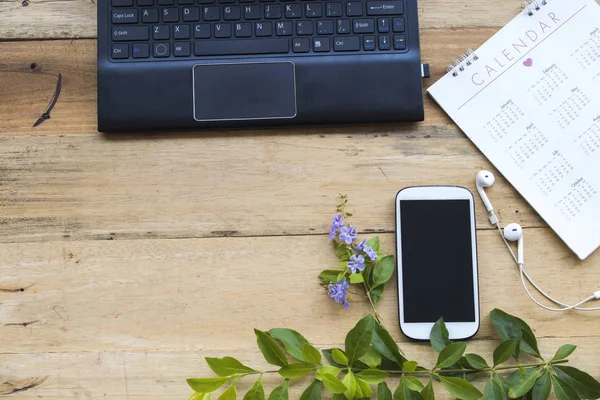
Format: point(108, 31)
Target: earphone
point(514, 233)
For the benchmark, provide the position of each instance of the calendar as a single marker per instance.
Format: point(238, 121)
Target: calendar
point(529, 99)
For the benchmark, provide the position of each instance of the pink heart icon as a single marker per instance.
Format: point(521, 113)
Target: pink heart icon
point(528, 62)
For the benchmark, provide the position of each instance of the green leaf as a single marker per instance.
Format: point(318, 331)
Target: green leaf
point(373, 243)
point(339, 357)
point(228, 366)
point(270, 349)
point(439, 336)
point(206, 385)
point(356, 278)
point(562, 390)
point(350, 383)
point(376, 294)
point(492, 391)
point(564, 352)
point(358, 339)
point(363, 387)
point(292, 340)
point(409, 366)
point(504, 351)
point(451, 354)
point(404, 393)
point(341, 251)
point(333, 384)
point(313, 392)
point(372, 376)
point(528, 341)
point(460, 388)
point(229, 394)
point(541, 389)
point(383, 342)
point(585, 386)
point(523, 384)
point(329, 369)
point(507, 326)
point(280, 392)
point(199, 396)
point(383, 271)
point(372, 357)
point(413, 383)
point(329, 275)
point(310, 354)
point(256, 392)
point(384, 392)
point(338, 396)
point(476, 361)
point(296, 370)
point(427, 392)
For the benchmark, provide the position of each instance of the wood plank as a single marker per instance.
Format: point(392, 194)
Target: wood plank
point(142, 375)
point(62, 19)
point(191, 294)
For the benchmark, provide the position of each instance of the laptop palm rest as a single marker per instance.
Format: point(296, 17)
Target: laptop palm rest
point(244, 91)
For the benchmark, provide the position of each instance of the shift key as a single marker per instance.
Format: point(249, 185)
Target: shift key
point(122, 34)
point(385, 7)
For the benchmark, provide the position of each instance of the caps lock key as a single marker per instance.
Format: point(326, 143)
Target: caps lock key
point(385, 8)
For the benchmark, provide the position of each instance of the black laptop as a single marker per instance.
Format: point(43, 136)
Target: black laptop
point(197, 64)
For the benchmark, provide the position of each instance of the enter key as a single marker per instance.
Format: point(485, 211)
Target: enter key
point(385, 8)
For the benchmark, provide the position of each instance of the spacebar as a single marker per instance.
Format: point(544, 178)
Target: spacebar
point(229, 47)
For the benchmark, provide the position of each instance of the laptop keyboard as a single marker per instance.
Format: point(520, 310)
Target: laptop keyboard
point(180, 29)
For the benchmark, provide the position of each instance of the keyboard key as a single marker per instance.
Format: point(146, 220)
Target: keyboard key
point(243, 29)
point(181, 49)
point(245, 46)
point(385, 8)
point(166, 2)
point(161, 49)
point(160, 32)
point(346, 43)
point(334, 9)
point(285, 28)
point(398, 24)
point(130, 33)
point(252, 12)
point(363, 26)
point(186, 2)
point(369, 43)
point(343, 26)
point(272, 11)
point(124, 16)
point(399, 42)
point(191, 14)
point(300, 45)
point(226, 1)
point(354, 8)
point(202, 31)
point(320, 45)
point(181, 32)
point(170, 15)
point(150, 15)
point(384, 42)
point(264, 29)
point(313, 10)
point(304, 28)
point(120, 51)
point(293, 11)
point(122, 3)
point(141, 50)
point(232, 13)
point(211, 13)
point(144, 3)
point(383, 25)
point(325, 27)
point(223, 30)
point(206, 1)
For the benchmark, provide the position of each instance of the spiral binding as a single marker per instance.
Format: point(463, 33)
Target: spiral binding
point(465, 61)
point(533, 5)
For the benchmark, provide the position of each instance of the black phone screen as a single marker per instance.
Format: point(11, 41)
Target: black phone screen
point(437, 261)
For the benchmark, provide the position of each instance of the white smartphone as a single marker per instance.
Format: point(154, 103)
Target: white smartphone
point(436, 246)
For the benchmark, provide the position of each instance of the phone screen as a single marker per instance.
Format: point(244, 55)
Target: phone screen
point(437, 261)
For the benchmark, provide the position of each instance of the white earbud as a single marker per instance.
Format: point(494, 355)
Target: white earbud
point(514, 233)
point(485, 179)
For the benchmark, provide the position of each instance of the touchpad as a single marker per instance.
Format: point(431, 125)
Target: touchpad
point(244, 91)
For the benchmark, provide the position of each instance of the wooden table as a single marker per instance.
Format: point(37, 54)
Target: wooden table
point(126, 259)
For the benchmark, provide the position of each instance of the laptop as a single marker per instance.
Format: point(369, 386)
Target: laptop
point(210, 64)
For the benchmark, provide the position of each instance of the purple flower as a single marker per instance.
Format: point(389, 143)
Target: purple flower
point(370, 252)
point(358, 248)
point(338, 222)
point(356, 263)
point(338, 292)
point(348, 234)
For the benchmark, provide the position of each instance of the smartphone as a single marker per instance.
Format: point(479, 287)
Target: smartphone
point(436, 246)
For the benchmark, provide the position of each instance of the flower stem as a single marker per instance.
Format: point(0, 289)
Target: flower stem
point(377, 316)
point(465, 370)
